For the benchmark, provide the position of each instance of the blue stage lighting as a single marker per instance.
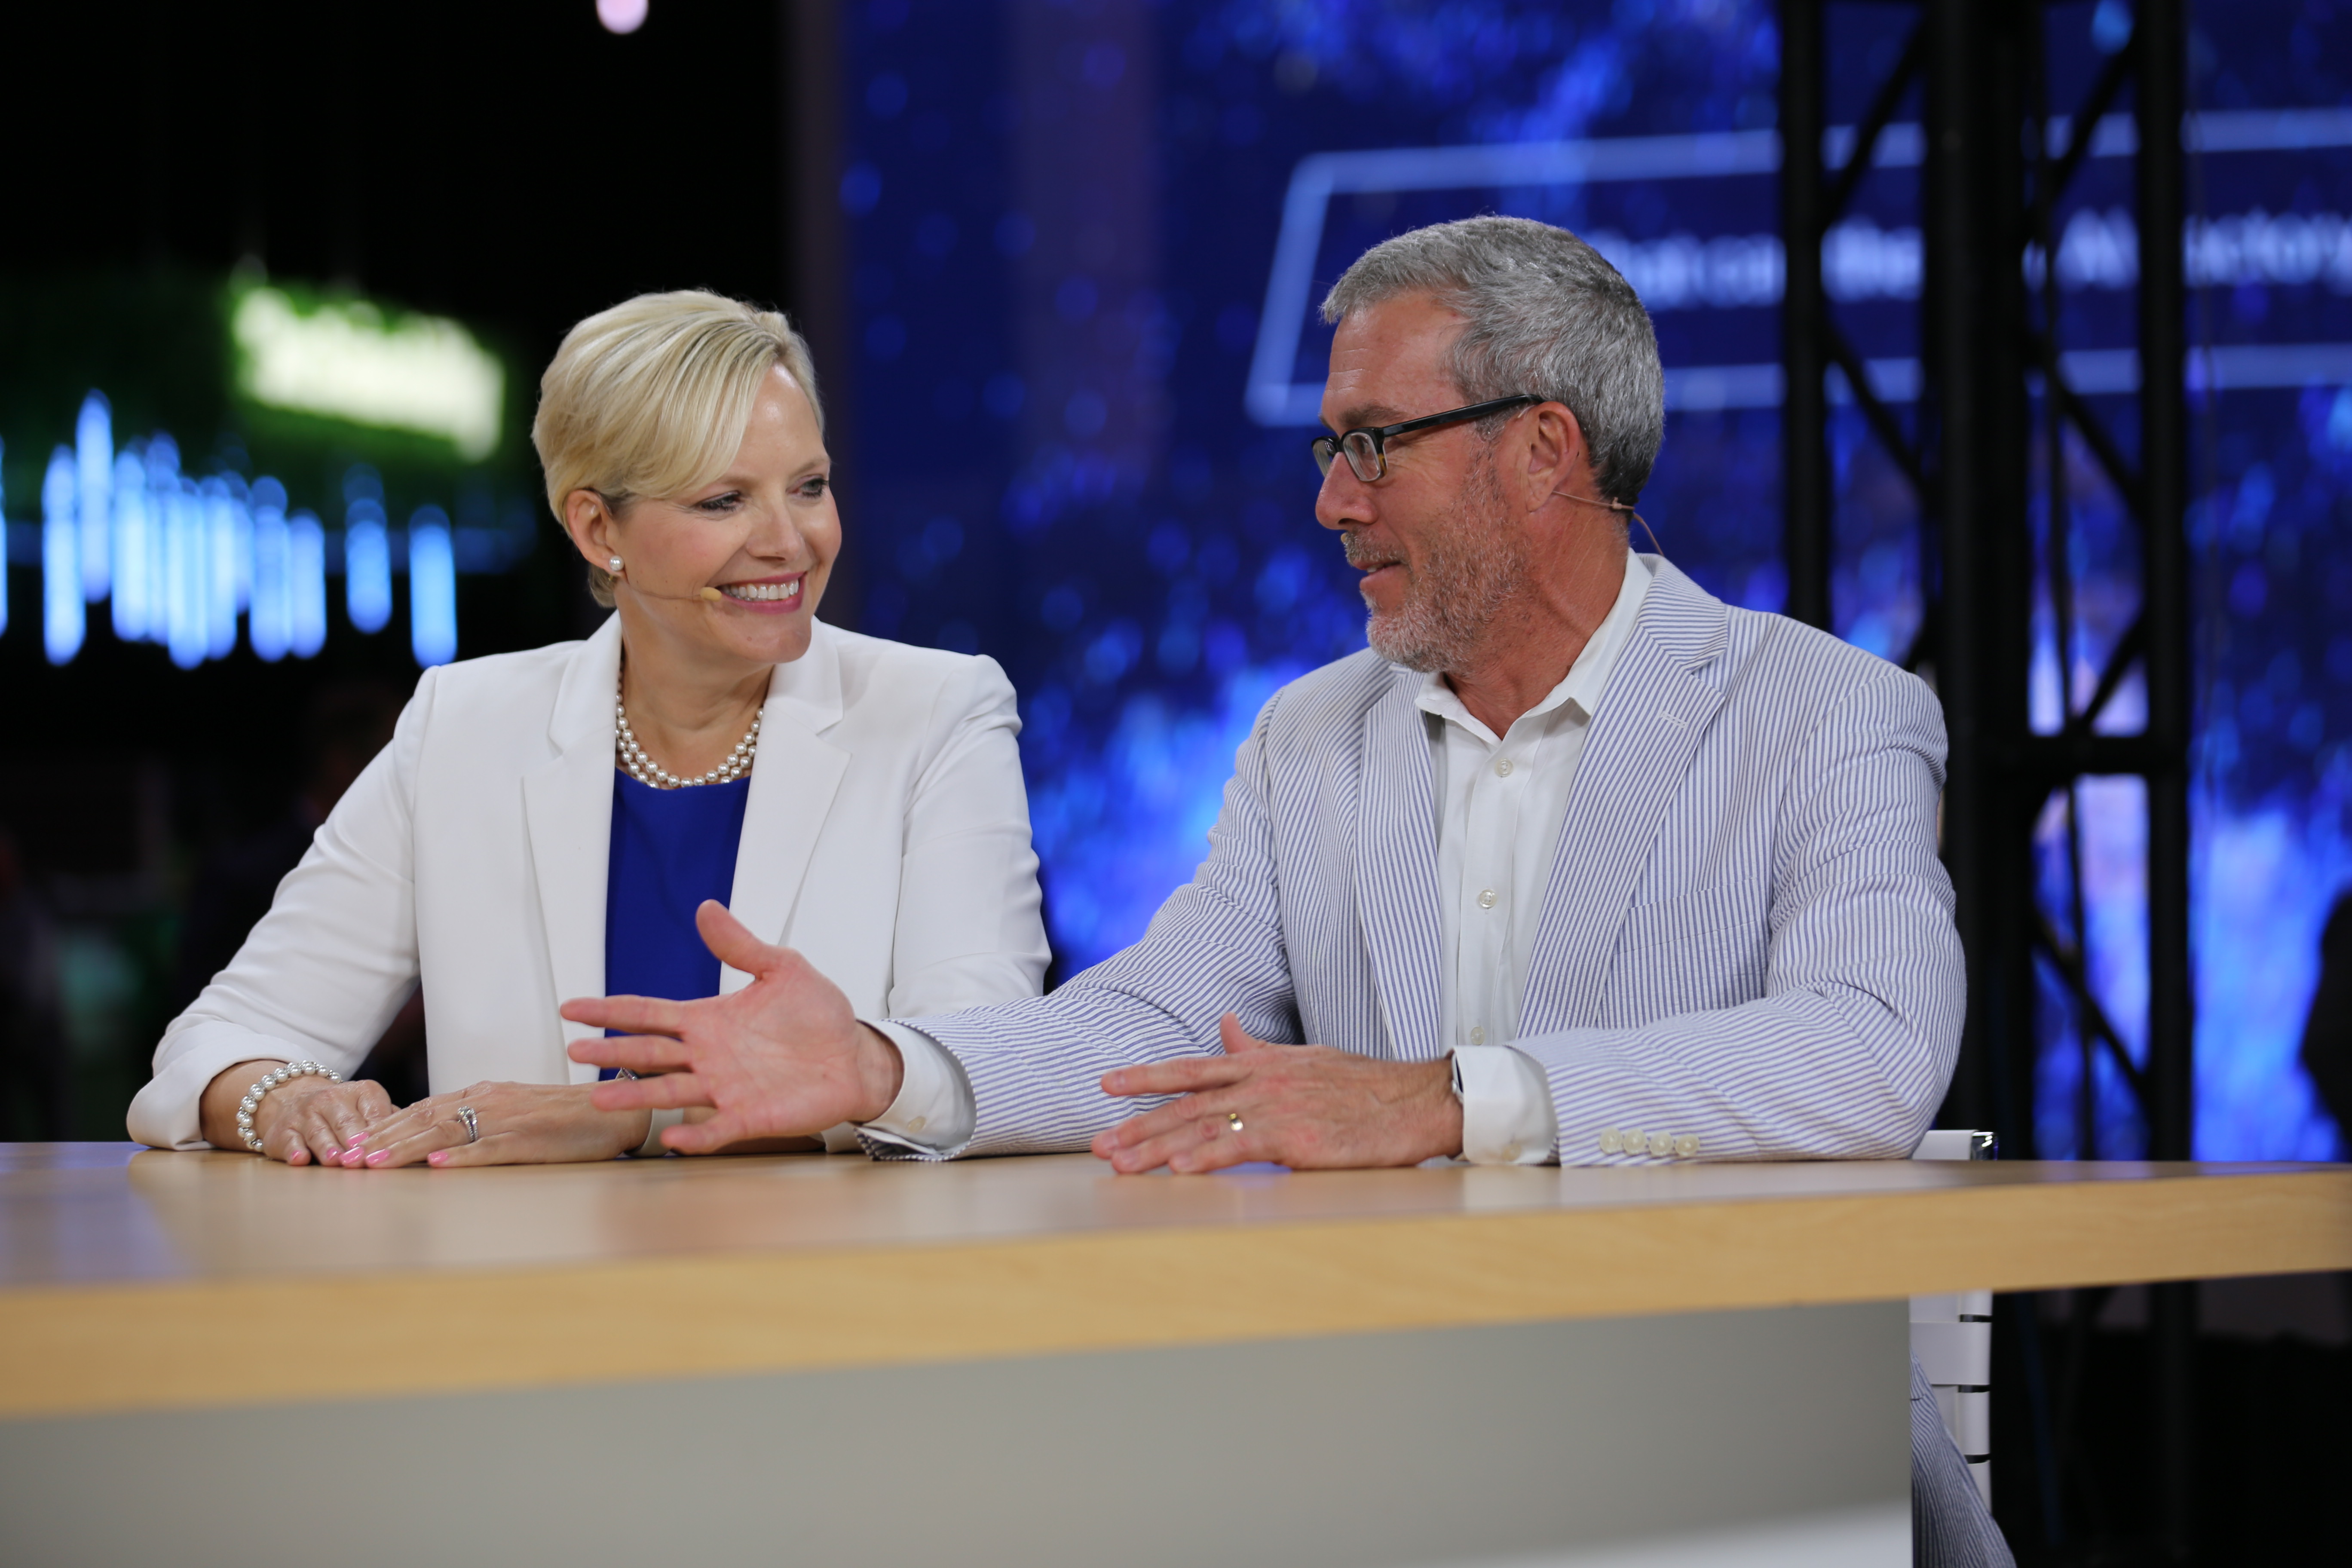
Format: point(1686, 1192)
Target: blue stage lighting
point(184, 574)
point(61, 601)
point(94, 462)
point(163, 504)
point(181, 558)
point(269, 625)
point(307, 584)
point(240, 540)
point(306, 579)
point(223, 506)
point(131, 585)
point(367, 566)
point(432, 588)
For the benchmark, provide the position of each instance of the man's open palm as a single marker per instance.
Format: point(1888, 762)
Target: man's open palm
point(783, 1058)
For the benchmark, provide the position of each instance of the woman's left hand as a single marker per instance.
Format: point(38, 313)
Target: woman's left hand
point(520, 1124)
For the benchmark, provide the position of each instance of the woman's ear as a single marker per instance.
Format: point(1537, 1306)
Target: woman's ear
point(589, 522)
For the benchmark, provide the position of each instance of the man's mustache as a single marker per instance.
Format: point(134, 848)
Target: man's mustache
point(1365, 556)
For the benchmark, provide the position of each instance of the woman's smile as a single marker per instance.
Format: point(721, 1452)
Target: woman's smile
point(767, 596)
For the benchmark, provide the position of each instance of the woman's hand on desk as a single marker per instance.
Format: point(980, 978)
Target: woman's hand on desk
point(304, 1120)
point(520, 1124)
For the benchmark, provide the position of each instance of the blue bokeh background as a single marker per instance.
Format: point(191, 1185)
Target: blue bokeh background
point(1063, 214)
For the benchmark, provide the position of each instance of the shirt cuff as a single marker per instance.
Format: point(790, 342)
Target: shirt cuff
point(661, 1119)
point(933, 1114)
point(1507, 1115)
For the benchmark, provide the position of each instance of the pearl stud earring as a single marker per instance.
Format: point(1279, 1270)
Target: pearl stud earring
point(613, 565)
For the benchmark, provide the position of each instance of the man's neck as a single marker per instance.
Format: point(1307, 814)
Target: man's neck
point(1535, 639)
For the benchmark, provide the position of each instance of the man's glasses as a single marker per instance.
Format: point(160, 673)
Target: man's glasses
point(1367, 449)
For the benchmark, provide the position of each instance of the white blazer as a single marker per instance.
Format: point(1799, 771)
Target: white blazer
point(887, 838)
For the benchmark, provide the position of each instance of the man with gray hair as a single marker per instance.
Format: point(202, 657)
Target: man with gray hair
point(1575, 863)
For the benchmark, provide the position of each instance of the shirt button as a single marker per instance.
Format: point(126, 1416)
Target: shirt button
point(1686, 1145)
point(1487, 898)
point(1632, 1137)
point(1610, 1143)
point(1660, 1145)
point(1503, 767)
point(1477, 1034)
point(1510, 1152)
point(915, 1123)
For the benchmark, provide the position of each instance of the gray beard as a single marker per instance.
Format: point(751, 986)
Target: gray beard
point(1470, 569)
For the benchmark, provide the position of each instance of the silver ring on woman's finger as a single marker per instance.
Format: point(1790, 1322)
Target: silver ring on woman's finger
point(1234, 1119)
point(473, 1125)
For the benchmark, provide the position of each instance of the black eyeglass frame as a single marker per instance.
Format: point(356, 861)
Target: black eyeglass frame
point(1328, 449)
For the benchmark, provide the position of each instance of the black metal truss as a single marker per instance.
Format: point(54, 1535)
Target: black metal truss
point(1994, 390)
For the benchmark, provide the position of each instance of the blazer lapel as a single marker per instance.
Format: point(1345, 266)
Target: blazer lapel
point(1653, 711)
point(792, 786)
point(568, 804)
point(1396, 873)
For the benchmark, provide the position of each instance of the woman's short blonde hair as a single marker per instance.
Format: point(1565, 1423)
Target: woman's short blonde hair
point(650, 398)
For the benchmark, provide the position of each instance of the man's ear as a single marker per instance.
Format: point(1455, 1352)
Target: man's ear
point(1557, 454)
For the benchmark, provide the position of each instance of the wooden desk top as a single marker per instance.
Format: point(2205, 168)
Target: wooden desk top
point(137, 1280)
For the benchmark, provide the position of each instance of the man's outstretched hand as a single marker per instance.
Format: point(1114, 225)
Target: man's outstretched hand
point(1304, 1106)
point(783, 1058)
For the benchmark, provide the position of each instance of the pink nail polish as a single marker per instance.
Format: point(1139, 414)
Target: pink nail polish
point(438, 1157)
point(379, 1157)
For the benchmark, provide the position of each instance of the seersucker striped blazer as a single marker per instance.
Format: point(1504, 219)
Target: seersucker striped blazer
point(1747, 939)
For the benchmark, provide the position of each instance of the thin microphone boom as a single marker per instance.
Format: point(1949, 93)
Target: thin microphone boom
point(700, 595)
point(1619, 506)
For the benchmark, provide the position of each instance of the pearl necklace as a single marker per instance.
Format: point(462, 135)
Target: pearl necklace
point(646, 771)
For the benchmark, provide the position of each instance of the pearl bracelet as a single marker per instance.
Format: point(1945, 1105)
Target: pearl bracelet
point(252, 1100)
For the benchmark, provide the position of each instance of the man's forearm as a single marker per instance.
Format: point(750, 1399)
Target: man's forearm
point(1822, 1075)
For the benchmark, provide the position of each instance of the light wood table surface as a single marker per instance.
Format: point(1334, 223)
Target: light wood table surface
point(135, 1281)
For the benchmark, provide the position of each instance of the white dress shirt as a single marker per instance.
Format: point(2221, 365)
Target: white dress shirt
point(1500, 803)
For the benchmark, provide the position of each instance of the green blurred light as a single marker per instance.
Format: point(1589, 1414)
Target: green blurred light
point(349, 359)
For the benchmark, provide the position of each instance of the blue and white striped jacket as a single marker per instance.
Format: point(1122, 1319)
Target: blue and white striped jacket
point(1747, 938)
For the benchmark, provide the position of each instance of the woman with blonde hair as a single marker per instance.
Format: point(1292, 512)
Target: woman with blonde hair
point(545, 825)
